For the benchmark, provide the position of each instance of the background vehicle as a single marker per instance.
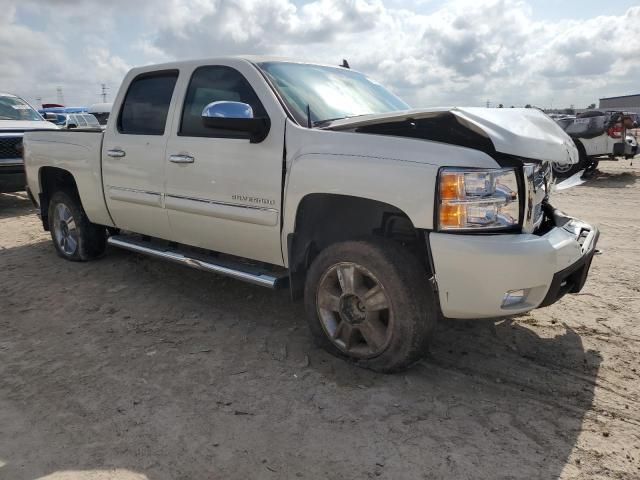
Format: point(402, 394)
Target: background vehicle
point(16, 117)
point(78, 120)
point(632, 141)
point(633, 119)
point(287, 173)
point(596, 135)
point(101, 111)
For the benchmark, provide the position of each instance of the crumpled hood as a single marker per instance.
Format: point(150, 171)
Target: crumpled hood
point(523, 132)
point(16, 125)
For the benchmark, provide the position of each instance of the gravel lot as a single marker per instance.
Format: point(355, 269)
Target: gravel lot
point(129, 368)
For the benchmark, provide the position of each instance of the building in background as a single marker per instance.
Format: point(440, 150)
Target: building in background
point(626, 103)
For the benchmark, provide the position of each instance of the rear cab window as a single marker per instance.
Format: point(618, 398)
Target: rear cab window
point(145, 107)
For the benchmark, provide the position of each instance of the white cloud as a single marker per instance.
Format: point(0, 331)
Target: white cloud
point(463, 53)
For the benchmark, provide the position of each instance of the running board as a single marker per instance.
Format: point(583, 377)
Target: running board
point(238, 270)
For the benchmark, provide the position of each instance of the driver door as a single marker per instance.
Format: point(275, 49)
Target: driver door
point(223, 192)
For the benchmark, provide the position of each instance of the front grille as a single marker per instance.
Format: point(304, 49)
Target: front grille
point(537, 180)
point(9, 147)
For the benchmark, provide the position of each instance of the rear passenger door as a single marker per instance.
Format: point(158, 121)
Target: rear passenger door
point(133, 154)
point(228, 196)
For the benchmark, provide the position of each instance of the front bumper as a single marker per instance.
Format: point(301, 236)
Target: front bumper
point(12, 177)
point(474, 273)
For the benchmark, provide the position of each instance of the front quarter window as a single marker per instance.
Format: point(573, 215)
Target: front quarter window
point(329, 92)
point(14, 108)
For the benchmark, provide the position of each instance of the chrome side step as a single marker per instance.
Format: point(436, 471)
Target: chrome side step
point(229, 268)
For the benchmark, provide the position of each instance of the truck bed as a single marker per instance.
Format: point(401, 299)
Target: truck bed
point(78, 151)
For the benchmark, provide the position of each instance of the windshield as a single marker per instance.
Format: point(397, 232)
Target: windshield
point(330, 92)
point(14, 108)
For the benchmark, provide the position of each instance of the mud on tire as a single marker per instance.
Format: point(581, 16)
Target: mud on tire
point(370, 302)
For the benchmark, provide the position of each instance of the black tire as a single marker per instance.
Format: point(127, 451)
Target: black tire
point(583, 161)
point(411, 313)
point(89, 240)
point(591, 167)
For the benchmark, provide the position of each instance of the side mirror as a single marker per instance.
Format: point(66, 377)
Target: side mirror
point(237, 117)
point(50, 117)
point(72, 125)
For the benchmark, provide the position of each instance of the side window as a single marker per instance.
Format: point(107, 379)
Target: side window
point(213, 84)
point(146, 105)
point(80, 121)
point(91, 120)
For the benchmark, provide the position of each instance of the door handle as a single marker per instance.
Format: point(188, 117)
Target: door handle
point(116, 153)
point(181, 158)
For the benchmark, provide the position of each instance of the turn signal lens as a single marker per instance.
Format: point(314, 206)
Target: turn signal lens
point(453, 216)
point(451, 186)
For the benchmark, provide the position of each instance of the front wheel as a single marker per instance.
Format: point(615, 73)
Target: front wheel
point(562, 171)
point(74, 236)
point(565, 171)
point(591, 168)
point(370, 302)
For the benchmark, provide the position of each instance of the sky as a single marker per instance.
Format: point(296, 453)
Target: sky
point(547, 53)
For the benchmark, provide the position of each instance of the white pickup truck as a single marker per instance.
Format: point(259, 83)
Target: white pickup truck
point(16, 117)
point(314, 177)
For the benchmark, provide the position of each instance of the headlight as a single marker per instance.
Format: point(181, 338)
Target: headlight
point(471, 199)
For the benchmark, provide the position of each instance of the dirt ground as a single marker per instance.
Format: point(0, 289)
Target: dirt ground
point(129, 368)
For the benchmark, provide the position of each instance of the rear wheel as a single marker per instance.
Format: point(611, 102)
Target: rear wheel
point(370, 302)
point(74, 236)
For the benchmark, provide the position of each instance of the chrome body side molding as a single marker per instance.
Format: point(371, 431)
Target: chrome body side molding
point(140, 197)
point(228, 211)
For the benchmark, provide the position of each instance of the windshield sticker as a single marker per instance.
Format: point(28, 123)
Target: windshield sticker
point(21, 107)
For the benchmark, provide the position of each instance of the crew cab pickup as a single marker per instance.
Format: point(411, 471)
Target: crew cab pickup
point(315, 178)
point(16, 117)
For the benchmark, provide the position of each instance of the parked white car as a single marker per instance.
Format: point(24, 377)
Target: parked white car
point(596, 135)
point(312, 176)
point(16, 117)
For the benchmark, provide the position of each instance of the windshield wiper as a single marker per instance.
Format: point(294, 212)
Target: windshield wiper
point(329, 120)
point(318, 123)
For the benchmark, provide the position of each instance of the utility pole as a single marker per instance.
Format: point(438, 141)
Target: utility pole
point(104, 92)
point(60, 96)
point(39, 101)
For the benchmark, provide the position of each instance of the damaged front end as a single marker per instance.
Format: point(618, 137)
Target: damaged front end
point(523, 139)
point(534, 261)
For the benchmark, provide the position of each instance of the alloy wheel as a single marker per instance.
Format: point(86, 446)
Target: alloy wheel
point(65, 229)
point(354, 310)
point(562, 168)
